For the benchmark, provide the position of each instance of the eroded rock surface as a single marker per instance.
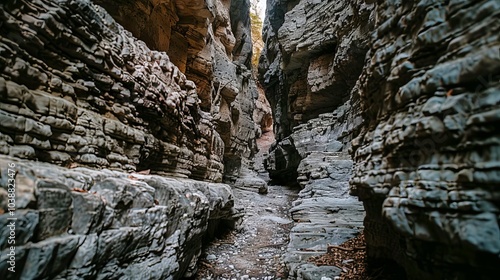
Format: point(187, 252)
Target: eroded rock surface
point(78, 90)
point(97, 96)
point(313, 57)
point(420, 109)
point(82, 223)
point(324, 214)
point(426, 162)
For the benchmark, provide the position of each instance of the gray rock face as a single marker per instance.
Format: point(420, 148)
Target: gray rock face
point(426, 162)
point(423, 106)
point(313, 56)
point(93, 95)
point(79, 90)
point(75, 93)
point(324, 213)
point(310, 66)
point(81, 223)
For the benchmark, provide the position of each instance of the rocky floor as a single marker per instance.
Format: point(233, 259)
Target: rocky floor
point(255, 251)
point(284, 228)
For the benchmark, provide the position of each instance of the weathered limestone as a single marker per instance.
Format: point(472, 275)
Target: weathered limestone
point(423, 108)
point(263, 115)
point(427, 159)
point(306, 74)
point(82, 223)
point(115, 90)
point(309, 68)
point(78, 89)
point(313, 56)
point(324, 213)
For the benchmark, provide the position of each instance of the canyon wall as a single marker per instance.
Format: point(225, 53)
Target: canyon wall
point(427, 159)
point(150, 87)
point(210, 41)
point(411, 91)
point(310, 65)
point(83, 223)
point(99, 97)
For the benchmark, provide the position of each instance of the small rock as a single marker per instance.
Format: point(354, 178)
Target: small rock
point(211, 258)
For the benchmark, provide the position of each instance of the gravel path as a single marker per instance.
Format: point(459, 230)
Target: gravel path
point(255, 250)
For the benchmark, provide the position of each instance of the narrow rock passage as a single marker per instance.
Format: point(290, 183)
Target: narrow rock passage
point(255, 250)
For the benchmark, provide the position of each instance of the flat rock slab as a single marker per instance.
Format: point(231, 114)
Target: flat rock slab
point(329, 216)
point(79, 222)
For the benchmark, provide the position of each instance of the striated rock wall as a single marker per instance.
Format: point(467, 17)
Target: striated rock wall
point(422, 107)
point(87, 224)
point(131, 108)
point(324, 213)
point(426, 161)
point(310, 65)
point(313, 57)
point(78, 89)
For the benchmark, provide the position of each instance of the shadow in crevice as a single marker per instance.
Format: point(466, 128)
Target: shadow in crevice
point(385, 269)
point(217, 229)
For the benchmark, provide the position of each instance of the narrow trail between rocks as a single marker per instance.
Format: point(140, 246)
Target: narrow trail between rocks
point(255, 250)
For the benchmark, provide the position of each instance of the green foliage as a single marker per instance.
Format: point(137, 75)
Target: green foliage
point(256, 29)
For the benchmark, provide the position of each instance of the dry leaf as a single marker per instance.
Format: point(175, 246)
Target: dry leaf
point(144, 172)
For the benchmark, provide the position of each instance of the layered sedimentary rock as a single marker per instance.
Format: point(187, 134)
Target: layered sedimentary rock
point(210, 42)
point(424, 110)
point(310, 66)
point(88, 224)
point(263, 115)
point(427, 160)
point(80, 91)
point(324, 213)
point(126, 106)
